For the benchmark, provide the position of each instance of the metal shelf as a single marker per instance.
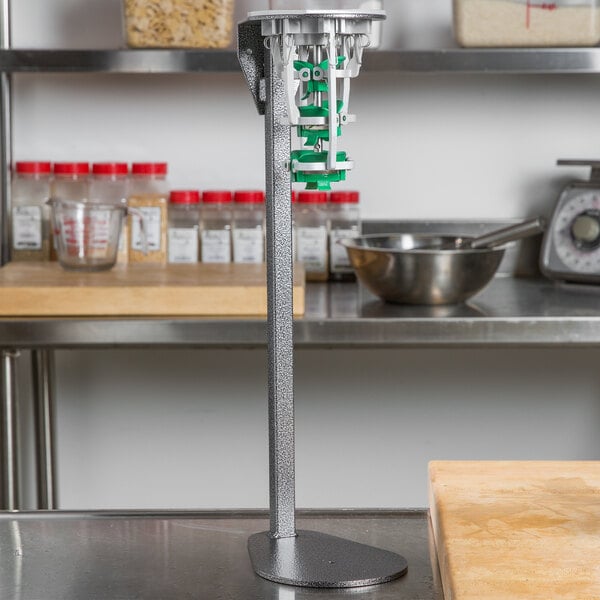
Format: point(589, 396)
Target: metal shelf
point(509, 312)
point(525, 61)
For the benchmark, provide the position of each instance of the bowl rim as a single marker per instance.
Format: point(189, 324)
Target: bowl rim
point(350, 242)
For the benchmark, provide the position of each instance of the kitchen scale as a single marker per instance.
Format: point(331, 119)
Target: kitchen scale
point(298, 65)
point(571, 247)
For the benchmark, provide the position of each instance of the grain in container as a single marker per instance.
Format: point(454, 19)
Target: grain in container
point(311, 234)
point(30, 215)
point(249, 226)
point(178, 23)
point(344, 223)
point(183, 228)
point(216, 220)
point(497, 23)
point(110, 184)
point(148, 194)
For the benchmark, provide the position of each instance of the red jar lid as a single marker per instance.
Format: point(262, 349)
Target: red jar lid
point(184, 197)
point(149, 168)
point(110, 168)
point(249, 196)
point(71, 168)
point(294, 197)
point(344, 197)
point(217, 197)
point(33, 167)
point(312, 197)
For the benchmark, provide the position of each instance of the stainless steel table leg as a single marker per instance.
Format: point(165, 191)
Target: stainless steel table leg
point(42, 367)
point(9, 439)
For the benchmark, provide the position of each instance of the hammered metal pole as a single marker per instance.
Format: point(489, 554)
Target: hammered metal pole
point(280, 308)
point(284, 555)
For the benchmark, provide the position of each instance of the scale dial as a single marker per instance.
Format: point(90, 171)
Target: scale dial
point(572, 245)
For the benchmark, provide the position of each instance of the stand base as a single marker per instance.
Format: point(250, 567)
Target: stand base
point(318, 560)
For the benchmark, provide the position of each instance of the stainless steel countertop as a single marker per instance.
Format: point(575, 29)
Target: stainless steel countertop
point(175, 556)
point(509, 312)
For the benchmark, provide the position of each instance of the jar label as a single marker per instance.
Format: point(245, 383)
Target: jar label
point(183, 245)
point(216, 246)
point(153, 229)
point(311, 248)
point(340, 263)
point(248, 245)
point(27, 227)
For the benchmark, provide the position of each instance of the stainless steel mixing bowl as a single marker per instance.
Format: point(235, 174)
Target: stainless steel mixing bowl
point(421, 269)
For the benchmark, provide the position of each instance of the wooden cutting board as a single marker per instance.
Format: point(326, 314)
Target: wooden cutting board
point(228, 290)
point(517, 530)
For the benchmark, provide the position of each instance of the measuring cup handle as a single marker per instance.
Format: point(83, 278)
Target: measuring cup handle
point(143, 227)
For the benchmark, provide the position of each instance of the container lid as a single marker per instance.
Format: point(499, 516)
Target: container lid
point(149, 168)
point(184, 197)
point(249, 196)
point(33, 167)
point(294, 197)
point(312, 198)
point(71, 168)
point(110, 168)
point(343, 197)
point(217, 197)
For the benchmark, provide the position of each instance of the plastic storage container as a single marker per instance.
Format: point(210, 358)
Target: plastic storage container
point(480, 23)
point(311, 234)
point(344, 222)
point(148, 193)
point(178, 23)
point(30, 230)
point(110, 184)
point(183, 232)
point(215, 229)
point(248, 226)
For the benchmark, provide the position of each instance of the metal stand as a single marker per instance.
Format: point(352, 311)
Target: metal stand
point(9, 439)
point(42, 368)
point(284, 555)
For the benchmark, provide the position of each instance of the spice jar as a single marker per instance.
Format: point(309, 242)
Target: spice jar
point(184, 219)
point(30, 231)
point(344, 222)
point(216, 226)
point(110, 185)
point(148, 193)
point(311, 235)
point(71, 183)
point(248, 226)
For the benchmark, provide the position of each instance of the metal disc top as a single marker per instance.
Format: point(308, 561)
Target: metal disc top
point(372, 15)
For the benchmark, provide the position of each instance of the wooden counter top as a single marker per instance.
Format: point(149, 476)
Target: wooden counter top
point(228, 290)
point(522, 530)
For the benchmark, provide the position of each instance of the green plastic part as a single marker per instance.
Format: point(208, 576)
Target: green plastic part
point(317, 180)
point(313, 133)
point(315, 85)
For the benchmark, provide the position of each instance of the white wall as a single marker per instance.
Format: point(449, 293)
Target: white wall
point(185, 429)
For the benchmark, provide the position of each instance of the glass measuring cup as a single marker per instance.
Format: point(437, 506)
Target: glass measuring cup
point(87, 233)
